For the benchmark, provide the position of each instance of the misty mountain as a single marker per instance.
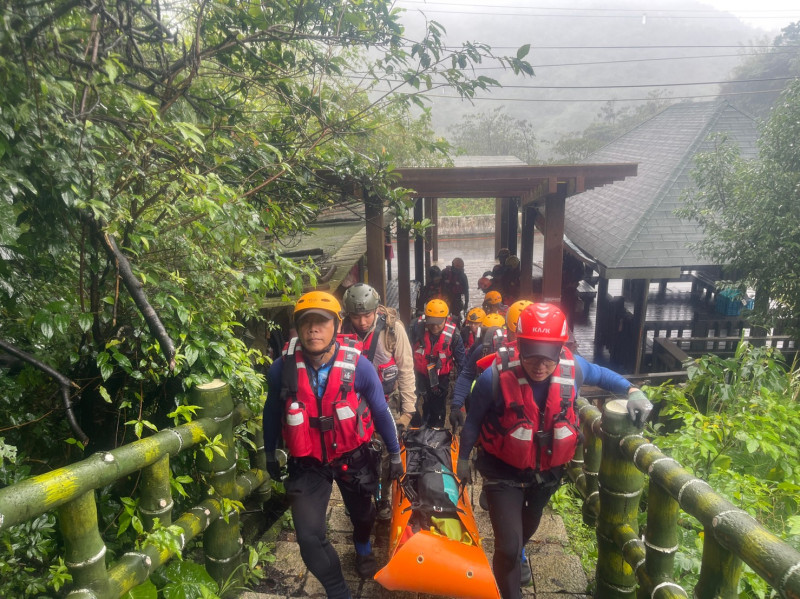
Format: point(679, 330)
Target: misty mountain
point(589, 45)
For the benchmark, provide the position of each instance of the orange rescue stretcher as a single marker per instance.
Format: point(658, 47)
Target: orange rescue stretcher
point(427, 554)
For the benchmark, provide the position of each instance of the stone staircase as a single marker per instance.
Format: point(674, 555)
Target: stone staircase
point(555, 571)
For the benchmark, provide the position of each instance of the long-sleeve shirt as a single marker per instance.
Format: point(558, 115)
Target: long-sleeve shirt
point(403, 357)
point(365, 382)
point(466, 376)
point(483, 397)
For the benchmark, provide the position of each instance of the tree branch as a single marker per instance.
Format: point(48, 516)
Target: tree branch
point(65, 384)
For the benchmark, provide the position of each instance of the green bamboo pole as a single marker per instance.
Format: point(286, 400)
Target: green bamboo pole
point(719, 571)
point(661, 536)
point(592, 455)
point(621, 485)
point(222, 543)
point(84, 550)
point(46, 492)
point(734, 530)
point(156, 494)
point(133, 568)
point(258, 460)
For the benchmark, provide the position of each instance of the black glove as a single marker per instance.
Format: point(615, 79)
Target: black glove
point(457, 417)
point(395, 466)
point(273, 467)
point(463, 471)
point(639, 408)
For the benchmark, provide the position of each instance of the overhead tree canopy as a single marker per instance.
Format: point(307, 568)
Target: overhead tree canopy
point(495, 133)
point(750, 211)
point(155, 156)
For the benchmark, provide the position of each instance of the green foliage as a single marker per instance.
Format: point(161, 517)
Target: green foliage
point(494, 133)
point(582, 539)
point(29, 564)
point(185, 580)
point(737, 422)
point(750, 212)
point(465, 207)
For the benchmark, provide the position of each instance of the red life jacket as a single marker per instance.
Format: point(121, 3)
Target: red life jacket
point(519, 434)
point(388, 371)
point(441, 353)
point(327, 427)
point(469, 338)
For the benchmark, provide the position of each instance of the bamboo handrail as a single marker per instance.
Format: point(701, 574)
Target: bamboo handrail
point(731, 535)
point(70, 491)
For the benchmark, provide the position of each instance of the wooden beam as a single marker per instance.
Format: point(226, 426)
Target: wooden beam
point(601, 315)
point(641, 290)
point(435, 230)
point(512, 210)
point(376, 266)
point(554, 243)
point(419, 246)
point(403, 274)
point(498, 218)
point(428, 203)
point(526, 251)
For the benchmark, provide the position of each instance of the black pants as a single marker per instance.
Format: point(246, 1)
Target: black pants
point(434, 400)
point(515, 513)
point(308, 489)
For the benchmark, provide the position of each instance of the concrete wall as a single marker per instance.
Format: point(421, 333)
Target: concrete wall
point(482, 224)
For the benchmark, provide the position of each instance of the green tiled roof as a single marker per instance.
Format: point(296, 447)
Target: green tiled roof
point(630, 226)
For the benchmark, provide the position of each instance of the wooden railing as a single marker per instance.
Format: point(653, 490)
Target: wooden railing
point(70, 492)
point(611, 478)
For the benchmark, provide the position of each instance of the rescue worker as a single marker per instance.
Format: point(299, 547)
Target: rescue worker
point(470, 332)
point(433, 289)
point(438, 352)
point(524, 415)
point(493, 303)
point(456, 288)
point(326, 402)
point(386, 345)
point(494, 336)
point(510, 283)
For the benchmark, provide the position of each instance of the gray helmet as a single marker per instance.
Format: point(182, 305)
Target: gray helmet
point(360, 299)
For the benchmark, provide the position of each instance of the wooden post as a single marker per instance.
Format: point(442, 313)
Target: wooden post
point(554, 242)
point(620, 484)
point(386, 255)
point(419, 246)
point(526, 250)
point(641, 290)
point(600, 316)
point(435, 230)
point(84, 550)
point(373, 213)
point(512, 209)
point(222, 543)
point(428, 235)
point(498, 224)
point(403, 275)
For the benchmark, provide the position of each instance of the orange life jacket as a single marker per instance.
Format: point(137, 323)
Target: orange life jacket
point(440, 354)
point(334, 424)
point(519, 434)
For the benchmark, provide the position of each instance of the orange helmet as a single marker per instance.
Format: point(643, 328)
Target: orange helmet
point(493, 320)
point(541, 331)
point(436, 311)
point(493, 298)
point(514, 310)
point(475, 315)
point(318, 302)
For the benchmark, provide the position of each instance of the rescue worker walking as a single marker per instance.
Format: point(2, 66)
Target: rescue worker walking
point(386, 345)
point(470, 332)
point(494, 336)
point(456, 287)
point(326, 402)
point(493, 303)
point(438, 352)
point(523, 412)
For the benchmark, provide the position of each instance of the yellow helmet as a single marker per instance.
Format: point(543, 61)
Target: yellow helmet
point(493, 298)
point(436, 311)
point(318, 302)
point(493, 320)
point(514, 310)
point(475, 315)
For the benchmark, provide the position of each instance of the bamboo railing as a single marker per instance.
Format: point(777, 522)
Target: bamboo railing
point(70, 492)
point(611, 478)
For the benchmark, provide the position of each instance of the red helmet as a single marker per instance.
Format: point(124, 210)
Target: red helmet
point(541, 332)
point(543, 322)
